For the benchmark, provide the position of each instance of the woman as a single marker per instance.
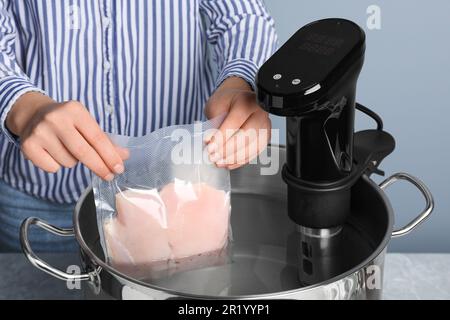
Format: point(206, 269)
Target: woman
point(69, 73)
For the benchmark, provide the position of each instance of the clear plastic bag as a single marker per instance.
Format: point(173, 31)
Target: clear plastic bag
point(169, 211)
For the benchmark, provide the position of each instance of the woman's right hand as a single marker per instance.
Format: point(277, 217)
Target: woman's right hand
point(55, 135)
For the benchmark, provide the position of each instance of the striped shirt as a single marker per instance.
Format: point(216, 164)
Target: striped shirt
point(136, 65)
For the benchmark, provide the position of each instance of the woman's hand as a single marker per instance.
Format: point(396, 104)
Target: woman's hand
point(244, 133)
point(55, 135)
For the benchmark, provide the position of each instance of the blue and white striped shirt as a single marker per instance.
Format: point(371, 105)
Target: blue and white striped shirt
point(136, 65)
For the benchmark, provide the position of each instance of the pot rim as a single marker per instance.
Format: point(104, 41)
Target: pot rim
point(99, 262)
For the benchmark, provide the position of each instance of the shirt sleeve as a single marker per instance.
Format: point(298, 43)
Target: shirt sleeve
point(242, 35)
point(13, 81)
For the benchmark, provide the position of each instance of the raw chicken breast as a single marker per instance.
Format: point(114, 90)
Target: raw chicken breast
point(198, 218)
point(138, 234)
point(183, 227)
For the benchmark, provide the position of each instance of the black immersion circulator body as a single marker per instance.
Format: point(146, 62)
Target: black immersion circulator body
point(311, 80)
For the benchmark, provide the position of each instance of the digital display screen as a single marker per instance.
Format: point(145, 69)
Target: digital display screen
point(320, 44)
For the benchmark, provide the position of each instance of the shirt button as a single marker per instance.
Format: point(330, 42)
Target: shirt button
point(107, 65)
point(106, 22)
point(109, 109)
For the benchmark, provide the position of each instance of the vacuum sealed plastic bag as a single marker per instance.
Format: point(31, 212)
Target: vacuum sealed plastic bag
point(170, 210)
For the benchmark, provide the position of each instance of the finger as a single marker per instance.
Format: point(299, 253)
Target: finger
point(237, 143)
point(44, 137)
point(101, 143)
point(39, 157)
point(237, 116)
point(83, 151)
point(241, 157)
point(124, 153)
point(256, 127)
point(249, 142)
point(245, 161)
point(59, 153)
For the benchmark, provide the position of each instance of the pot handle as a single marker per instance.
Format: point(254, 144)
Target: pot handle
point(425, 192)
point(41, 264)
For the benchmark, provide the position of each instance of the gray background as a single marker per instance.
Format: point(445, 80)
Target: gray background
point(406, 80)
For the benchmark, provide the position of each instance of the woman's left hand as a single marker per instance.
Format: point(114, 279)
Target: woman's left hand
point(245, 131)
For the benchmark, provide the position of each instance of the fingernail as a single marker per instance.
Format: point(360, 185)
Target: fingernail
point(118, 168)
point(214, 157)
point(221, 166)
point(207, 138)
point(126, 154)
point(109, 177)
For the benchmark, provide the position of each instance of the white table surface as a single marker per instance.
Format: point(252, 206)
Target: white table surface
point(417, 276)
point(407, 276)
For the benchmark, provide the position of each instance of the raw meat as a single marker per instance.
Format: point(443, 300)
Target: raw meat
point(137, 234)
point(198, 218)
point(182, 227)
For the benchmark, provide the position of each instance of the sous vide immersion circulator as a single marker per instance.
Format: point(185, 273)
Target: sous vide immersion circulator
point(311, 80)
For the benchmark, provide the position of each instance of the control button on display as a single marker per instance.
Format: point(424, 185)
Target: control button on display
point(277, 76)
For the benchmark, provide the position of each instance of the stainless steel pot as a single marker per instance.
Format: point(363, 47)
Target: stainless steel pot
point(265, 248)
